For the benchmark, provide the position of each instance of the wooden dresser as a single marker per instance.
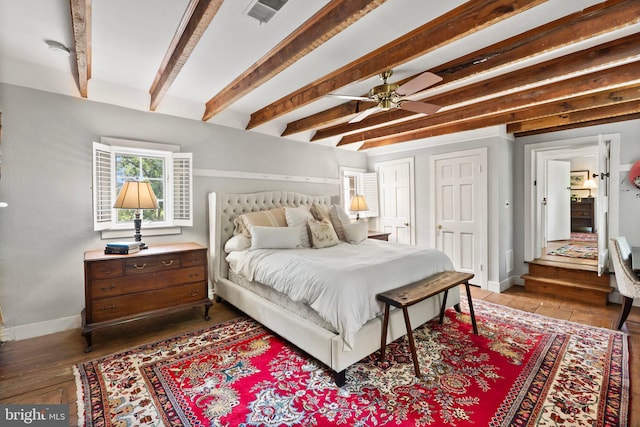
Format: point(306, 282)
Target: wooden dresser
point(582, 215)
point(154, 281)
point(378, 235)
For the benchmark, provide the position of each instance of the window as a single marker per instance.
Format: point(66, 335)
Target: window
point(359, 182)
point(168, 171)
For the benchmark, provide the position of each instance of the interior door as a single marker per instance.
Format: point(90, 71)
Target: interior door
point(396, 190)
point(602, 202)
point(460, 186)
point(558, 212)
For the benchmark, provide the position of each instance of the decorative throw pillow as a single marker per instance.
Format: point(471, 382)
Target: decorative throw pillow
point(319, 211)
point(322, 234)
point(299, 216)
point(338, 216)
point(355, 232)
point(270, 218)
point(275, 237)
point(239, 242)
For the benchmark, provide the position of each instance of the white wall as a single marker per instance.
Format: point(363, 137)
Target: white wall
point(46, 179)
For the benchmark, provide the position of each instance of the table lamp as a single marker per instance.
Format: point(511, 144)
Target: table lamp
point(358, 204)
point(590, 183)
point(136, 195)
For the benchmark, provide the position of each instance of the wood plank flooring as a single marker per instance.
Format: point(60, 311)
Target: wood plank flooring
point(39, 370)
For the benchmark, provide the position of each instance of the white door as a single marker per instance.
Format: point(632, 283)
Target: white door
point(460, 206)
point(558, 200)
point(395, 183)
point(602, 201)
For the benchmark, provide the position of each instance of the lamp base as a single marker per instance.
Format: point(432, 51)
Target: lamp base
point(137, 223)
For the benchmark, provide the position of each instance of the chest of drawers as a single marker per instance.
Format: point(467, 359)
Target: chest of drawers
point(155, 281)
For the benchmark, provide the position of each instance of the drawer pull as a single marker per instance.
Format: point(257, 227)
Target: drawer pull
point(108, 307)
point(107, 271)
point(194, 275)
point(103, 289)
point(167, 263)
point(140, 267)
point(194, 293)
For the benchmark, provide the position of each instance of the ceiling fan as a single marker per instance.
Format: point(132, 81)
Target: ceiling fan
point(391, 95)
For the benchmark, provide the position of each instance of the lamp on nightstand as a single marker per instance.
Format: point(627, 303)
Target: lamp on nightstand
point(590, 183)
point(136, 195)
point(358, 204)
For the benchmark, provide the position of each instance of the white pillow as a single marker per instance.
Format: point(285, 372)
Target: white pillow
point(322, 233)
point(239, 242)
point(355, 232)
point(298, 217)
point(339, 216)
point(275, 237)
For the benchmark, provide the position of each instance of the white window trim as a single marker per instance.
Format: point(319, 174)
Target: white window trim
point(104, 187)
point(367, 183)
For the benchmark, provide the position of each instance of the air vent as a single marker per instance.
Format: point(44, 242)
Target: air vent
point(264, 10)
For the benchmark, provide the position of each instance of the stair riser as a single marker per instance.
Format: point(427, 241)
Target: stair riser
point(584, 295)
point(569, 274)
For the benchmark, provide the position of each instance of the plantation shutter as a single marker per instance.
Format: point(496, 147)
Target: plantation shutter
point(182, 189)
point(370, 193)
point(102, 187)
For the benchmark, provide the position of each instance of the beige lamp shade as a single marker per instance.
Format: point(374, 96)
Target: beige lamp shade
point(590, 183)
point(358, 203)
point(136, 195)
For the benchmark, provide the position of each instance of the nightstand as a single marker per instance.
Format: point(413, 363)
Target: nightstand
point(378, 235)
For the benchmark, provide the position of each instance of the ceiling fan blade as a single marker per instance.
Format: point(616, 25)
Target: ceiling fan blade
point(363, 115)
point(351, 98)
point(423, 81)
point(419, 107)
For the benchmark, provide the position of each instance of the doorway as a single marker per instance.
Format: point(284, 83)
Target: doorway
point(588, 158)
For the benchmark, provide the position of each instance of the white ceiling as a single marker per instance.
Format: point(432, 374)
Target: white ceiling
point(129, 40)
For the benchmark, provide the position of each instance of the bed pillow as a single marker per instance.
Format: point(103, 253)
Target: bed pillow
point(270, 218)
point(238, 242)
point(322, 233)
point(298, 217)
point(275, 237)
point(338, 216)
point(319, 211)
point(355, 232)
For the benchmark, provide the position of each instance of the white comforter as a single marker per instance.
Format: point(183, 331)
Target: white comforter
point(340, 282)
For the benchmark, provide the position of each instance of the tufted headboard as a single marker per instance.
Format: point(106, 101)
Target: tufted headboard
point(223, 208)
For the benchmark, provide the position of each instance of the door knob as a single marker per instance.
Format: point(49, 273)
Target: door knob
point(439, 226)
point(406, 224)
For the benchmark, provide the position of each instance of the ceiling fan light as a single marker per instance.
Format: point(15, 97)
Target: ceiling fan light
point(385, 104)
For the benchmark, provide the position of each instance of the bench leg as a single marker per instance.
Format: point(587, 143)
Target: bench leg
point(412, 344)
point(383, 338)
point(444, 305)
point(473, 316)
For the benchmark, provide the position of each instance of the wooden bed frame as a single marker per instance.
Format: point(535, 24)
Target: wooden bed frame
point(324, 345)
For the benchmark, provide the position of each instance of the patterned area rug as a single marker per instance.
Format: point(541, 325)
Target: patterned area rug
point(584, 237)
point(576, 251)
point(522, 370)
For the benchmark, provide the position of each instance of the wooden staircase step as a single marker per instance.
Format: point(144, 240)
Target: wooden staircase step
point(569, 274)
point(594, 293)
point(567, 265)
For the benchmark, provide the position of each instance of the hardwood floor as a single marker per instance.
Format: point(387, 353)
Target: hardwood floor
point(39, 370)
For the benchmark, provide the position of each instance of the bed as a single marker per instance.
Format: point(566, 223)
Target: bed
point(298, 322)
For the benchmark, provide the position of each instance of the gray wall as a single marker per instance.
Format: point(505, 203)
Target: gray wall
point(46, 179)
point(499, 190)
point(629, 197)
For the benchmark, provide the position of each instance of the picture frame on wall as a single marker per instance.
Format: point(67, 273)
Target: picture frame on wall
point(578, 178)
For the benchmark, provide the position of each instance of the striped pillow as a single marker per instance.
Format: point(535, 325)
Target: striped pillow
point(271, 218)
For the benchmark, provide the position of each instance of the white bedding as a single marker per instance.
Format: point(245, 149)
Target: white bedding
point(340, 282)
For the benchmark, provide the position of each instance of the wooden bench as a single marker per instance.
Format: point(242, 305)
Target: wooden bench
point(413, 293)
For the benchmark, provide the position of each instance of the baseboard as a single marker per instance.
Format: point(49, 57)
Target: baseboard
point(33, 330)
point(502, 286)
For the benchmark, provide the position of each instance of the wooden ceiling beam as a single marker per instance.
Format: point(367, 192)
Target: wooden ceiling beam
point(194, 23)
point(608, 79)
point(570, 29)
point(607, 54)
point(81, 21)
point(462, 21)
point(577, 116)
point(329, 21)
point(600, 115)
point(623, 118)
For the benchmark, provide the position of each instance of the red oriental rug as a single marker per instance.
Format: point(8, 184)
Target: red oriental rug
point(522, 370)
point(576, 251)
